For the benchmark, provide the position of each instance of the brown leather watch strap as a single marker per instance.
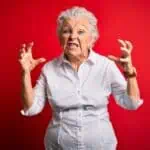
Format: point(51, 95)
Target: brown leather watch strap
point(130, 75)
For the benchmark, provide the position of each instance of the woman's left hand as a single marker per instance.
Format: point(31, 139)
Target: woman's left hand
point(125, 61)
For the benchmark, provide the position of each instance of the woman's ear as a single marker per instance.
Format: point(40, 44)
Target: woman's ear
point(60, 39)
point(90, 41)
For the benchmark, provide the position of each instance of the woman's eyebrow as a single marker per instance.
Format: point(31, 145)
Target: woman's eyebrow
point(84, 27)
point(66, 25)
point(81, 26)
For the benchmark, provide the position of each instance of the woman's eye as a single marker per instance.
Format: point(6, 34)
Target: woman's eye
point(81, 32)
point(66, 31)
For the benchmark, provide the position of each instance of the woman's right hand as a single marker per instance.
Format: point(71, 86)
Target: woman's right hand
point(28, 63)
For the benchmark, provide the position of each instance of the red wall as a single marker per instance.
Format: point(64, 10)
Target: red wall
point(35, 20)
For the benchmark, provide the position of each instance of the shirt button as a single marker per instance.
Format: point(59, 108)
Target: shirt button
point(78, 91)
point(80, 114)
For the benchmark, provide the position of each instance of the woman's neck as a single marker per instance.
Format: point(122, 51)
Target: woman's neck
point(77, 61)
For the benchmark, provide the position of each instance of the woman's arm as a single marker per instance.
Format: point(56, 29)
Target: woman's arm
point(132, 92)
point(27, 65)
point(132, 85)
point(27, 91)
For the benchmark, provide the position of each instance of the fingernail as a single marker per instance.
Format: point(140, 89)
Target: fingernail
point(43, 59)
point(31, 43)
point(23, 45)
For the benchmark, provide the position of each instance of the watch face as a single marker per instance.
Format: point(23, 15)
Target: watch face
point(128, 75)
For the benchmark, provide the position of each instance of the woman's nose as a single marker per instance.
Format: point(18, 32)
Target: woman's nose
point(73, 35)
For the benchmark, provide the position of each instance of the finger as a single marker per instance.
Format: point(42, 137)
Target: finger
point(23, 45)
point(40, 60)
point(122, 43)
point(125, 51)
point(20, 60)
point(29, 47)
point(129, 45)
point(20, 56)
point(113, 58)
point(124, 60)
point(22, 50)
point(21, 53)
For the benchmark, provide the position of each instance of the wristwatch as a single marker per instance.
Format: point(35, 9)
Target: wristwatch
point(130, 75)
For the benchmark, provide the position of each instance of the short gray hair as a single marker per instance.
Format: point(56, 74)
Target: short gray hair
point(79, 12)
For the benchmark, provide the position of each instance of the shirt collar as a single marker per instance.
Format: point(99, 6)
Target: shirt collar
point(91, 58)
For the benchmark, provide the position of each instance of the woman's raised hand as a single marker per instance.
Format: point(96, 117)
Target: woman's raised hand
point(125, 60)
point(28, 63)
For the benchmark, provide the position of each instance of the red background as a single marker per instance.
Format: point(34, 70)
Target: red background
point(35, 20)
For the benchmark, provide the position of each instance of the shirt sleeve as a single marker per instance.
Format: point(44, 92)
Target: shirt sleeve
point(119, 89)
point(39, 98)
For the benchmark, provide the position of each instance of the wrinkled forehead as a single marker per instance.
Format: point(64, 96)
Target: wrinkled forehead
point(76, 22)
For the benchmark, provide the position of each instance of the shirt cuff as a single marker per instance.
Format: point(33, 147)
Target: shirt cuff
point(24, 112)
point(136, 103)
point(28, 112)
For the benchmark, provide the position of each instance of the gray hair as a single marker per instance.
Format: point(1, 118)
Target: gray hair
point(79, 12)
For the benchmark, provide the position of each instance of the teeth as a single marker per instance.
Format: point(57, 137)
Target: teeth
point(70, 44)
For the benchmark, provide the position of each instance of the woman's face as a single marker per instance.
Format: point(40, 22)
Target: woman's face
point(75, 36)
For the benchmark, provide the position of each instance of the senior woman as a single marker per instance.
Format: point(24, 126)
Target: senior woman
point(77, 85)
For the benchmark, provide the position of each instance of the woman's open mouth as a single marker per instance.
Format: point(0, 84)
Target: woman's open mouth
point(72, 45)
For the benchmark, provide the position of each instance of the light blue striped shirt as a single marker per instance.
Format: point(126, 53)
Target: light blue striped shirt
point(87, 125)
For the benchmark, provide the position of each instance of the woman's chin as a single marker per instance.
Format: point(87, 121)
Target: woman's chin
point(72, 52)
